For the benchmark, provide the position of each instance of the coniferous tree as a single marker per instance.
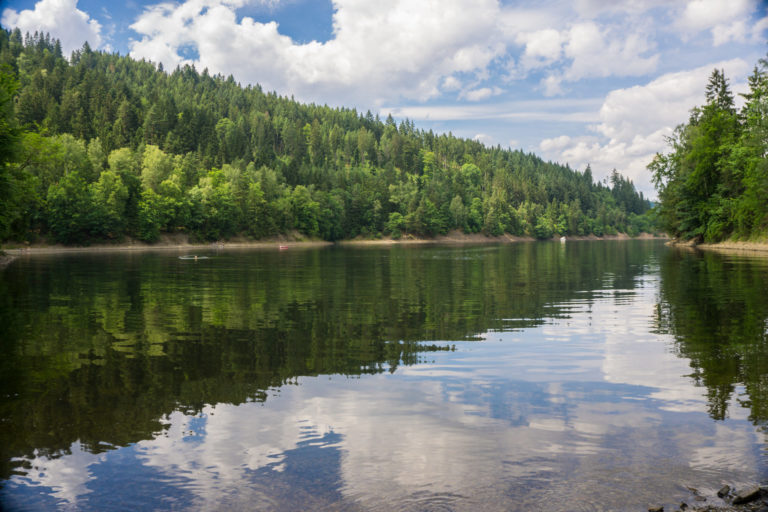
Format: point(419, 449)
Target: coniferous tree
point(718, 92)
point(185, 151)
point(714, 181)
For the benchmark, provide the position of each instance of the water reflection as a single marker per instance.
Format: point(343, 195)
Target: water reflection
point(416, 379)
point(716, 308)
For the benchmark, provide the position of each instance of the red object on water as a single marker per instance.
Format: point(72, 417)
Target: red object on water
point(283, 247)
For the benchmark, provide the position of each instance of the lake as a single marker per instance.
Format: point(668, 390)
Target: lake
point(581, 376)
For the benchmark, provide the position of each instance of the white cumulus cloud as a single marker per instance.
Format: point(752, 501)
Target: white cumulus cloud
point(61, 19)
point(726, 21)
point(634, 122)
point(482, 93)
point(379, 50)
point(585, 49)
point(706, 14)
point(599, 52)
point(542, 47)
point(451, 83)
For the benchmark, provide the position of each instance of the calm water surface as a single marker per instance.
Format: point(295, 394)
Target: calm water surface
point(578, 376)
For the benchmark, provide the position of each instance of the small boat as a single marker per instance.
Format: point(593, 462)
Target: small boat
point(283, 247)
point(562, 239)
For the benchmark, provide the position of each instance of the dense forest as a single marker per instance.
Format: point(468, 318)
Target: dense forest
point(713, 184)
point(100, 146)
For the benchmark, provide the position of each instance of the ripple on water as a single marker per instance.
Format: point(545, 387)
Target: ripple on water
point(426, 501)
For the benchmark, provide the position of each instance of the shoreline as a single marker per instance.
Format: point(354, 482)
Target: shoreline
point(750, 498)
point(181, 242)
point(726, 247)
point(458, 238)
point(752, 247)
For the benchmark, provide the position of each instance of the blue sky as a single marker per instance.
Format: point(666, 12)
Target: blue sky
point(579, 82)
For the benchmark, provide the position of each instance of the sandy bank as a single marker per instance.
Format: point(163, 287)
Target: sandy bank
point(182, 243)
point(730, 247)
point(58, 249)
point(459, 237)
point(454, 237)
point(166, 243)
point(737, 246)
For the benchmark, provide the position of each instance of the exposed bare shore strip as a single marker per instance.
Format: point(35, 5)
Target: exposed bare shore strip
point(181, 243)
point(727, 247)
point(60, 249)
point(737, 246)
point(458, 237)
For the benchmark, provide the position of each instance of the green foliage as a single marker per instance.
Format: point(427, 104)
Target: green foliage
point(70, 211)
point(9, 132)
point(15, 193)
point(458, 213)
point(110, 197)
point(150, 215)
point(156, 166)
point(425, 220)
point(185, 151)
point(713, 183)
point(331, 215)
point(395, 225)
point(475, 218)
point(214, 210)
point(305, 211)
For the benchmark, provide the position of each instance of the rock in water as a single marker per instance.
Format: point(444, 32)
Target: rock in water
point(725, 491)
point(747, 495)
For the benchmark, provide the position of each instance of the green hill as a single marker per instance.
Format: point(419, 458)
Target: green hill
point(101, 146)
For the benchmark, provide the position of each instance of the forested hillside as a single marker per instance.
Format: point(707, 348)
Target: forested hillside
point(713, 184)
point(100, 146)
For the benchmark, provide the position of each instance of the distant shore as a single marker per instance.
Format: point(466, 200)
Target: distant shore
point(182, 243)
point(758, 247)
point(459, 237)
